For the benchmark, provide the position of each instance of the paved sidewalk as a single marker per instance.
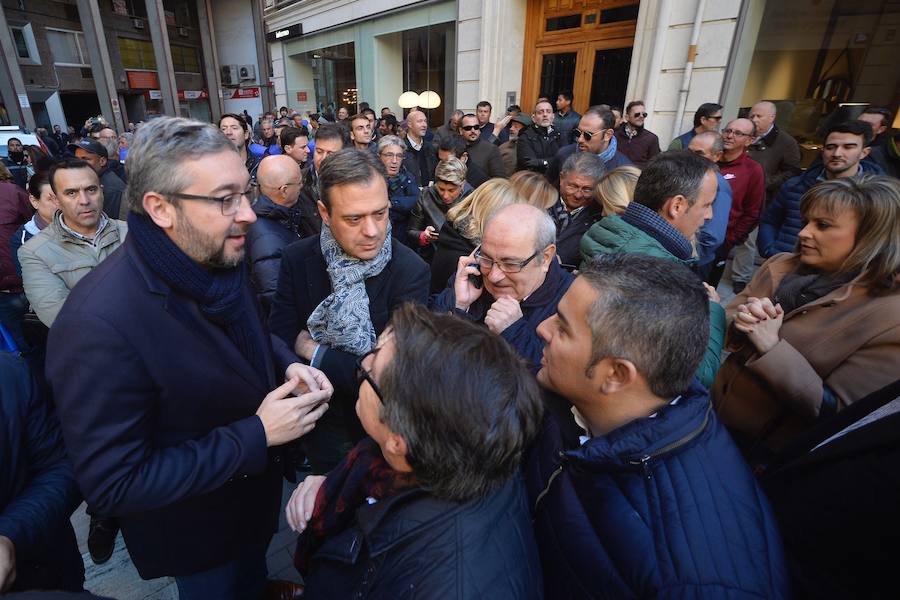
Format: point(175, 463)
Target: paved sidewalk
point(117, 578)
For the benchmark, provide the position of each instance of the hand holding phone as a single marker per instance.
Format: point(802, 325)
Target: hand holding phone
point(468, 283)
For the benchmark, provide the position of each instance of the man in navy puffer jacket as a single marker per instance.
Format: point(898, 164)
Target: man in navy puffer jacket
point(643, 494)
point(846, 145)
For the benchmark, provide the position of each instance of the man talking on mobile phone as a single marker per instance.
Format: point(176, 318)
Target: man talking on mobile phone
point(166, 381)
point(512, 281)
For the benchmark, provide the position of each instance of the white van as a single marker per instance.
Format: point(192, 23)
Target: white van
point(24, 135)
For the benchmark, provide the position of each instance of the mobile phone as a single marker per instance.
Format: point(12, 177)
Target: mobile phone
point(476, 280)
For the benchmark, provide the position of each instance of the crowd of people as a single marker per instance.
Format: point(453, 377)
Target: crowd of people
point(491, 355)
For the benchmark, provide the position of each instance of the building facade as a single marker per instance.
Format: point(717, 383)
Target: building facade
point(818, 60)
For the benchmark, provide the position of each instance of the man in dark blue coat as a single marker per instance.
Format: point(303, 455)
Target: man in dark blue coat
point(511, 282)
point(596, 134)
point(846, 145)
point(278, 222)
point(637, 489)
point(336, 291)
point(37, 489)
point(181, 440)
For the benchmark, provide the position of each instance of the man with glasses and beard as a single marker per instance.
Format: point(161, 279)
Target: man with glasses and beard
point(181, 440)
point(635, 142)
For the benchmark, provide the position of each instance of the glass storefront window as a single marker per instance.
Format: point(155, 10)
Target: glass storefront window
point(822, 62)
point(424, 62)
point(333, 73)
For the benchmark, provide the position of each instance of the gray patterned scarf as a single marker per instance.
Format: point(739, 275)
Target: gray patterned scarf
point(342, 320)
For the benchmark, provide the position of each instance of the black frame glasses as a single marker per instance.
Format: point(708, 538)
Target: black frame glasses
point(485, 264)
point(588, 135)
point(230, 203)
point(363, 374)
point(468, 127)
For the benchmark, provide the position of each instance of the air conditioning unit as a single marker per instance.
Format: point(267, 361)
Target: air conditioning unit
point(247, 72)
point(182, 31)
point(230, 75)
point(137, 23)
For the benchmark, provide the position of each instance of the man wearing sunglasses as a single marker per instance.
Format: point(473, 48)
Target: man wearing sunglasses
point(595, 134)
point(708, 117)
point(173, 405)
point(512, 281)
point(635, 142)
point(483, 154)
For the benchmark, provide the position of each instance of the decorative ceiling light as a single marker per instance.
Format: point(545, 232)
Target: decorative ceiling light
point(429, 99)
point(408, 100)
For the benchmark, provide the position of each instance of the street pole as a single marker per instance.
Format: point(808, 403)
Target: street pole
point(95, 39)
point(162, 51)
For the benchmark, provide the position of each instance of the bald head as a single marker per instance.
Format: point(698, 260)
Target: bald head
point(417, 124)
point(737, 137)
point(763, 116)
point(523, 222)
point(279, 179)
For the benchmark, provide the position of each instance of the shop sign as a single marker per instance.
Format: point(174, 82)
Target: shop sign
point(192, 95)
point(285, 34)
point(243, 93)
point(143, 80)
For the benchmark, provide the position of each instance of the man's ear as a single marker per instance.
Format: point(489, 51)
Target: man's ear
point(674, 207)
point(548, 255)
point(323, 212)
point(160, 210)
point(616, 375)
point(865, 152)
point(396, 446)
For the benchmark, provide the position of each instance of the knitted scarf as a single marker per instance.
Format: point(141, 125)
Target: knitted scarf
point(364, 473)
point(807, 285)
point(610, 151)
point(342, 320)
point(659, 229)
point(219, 293)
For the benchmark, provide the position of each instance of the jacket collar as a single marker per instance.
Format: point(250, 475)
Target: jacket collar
point(556, 277)
point(766, 141)
point(643, 440)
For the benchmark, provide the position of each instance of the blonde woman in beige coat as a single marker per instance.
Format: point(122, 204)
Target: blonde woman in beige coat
point(818, 329)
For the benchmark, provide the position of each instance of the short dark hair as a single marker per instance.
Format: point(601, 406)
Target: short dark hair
point(348, 165)
point(484, 103)
point(669, 174)
point(606, 115)
point(333, 131)
point(465, 421)
point(633, 290)
point(706, 110)
point(391, 121)
point(289, 135)
point(860, 128)
point(884, 113)
point(239, 118)
point(634, 103)
point(358, 117)
point(11, 139)
point(37, 181)
point(567, 94)
point(453, 143)
point(64, 164)
point(366, 111)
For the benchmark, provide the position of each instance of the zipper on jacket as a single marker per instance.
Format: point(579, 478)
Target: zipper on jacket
point(546, 489)
point(644, 461)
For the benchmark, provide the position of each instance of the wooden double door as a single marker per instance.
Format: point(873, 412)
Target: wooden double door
point(583, 46)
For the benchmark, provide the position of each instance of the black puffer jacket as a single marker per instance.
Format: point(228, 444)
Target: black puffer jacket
point(537, 146)
point(276, 226)
point(416, 546)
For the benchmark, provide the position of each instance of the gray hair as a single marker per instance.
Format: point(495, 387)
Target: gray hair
point(586, 164)
point(159, 149)
point(633, 291)
point(670, 174)
point(346, 166)
point(544, 227)
point(389, 140)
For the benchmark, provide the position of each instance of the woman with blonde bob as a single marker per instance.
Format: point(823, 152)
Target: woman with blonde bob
point(430, 211)
point(535, 189)
point(462, 231)
point(615, 190)
point(817, 329)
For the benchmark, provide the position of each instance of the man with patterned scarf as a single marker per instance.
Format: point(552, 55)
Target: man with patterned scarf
point(336, 291)
point(182, 440)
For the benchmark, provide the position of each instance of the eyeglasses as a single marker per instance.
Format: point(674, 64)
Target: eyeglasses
point(735, 133)
point(363, 374)
point(639, 115)
point(230, 203)
point(468, 127)
point(393, 155)
point(507, 266)
point(588, 135)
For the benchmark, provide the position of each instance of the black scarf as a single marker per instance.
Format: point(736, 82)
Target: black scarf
point(219, 293)
point(807, 285)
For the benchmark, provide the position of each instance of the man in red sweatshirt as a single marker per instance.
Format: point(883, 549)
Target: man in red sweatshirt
point(748, 187)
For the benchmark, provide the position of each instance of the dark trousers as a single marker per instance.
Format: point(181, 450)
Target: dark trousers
point(243, 578)
point(12, 310)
